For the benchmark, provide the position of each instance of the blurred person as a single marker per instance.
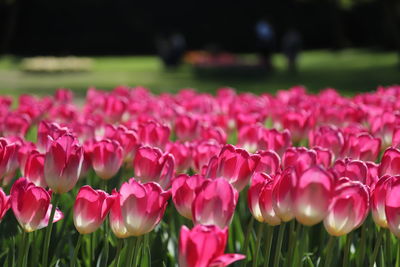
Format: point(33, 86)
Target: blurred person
point(265, 42)
point(291, 47)
point(178, 47)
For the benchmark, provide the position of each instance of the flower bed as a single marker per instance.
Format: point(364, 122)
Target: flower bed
point(136, 179)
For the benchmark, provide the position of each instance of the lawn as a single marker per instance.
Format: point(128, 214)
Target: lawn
point(348, 70)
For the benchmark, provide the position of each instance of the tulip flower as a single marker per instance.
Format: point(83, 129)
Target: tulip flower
point(91, 209)
point(107, 157)
point(271, 139)
point(300, 158)
point(235, 165)
point(142, 206)
point(203, 152)
point(298, 123)
point(378, 199)
point(324, 156)
point(46, 129)
point(24, 151)
point(114, 107)
point(260, 199)
point(31, 205)
point(283, 194)
point(215, 133)
point(327, 137)
point(8, 157)
point(355, 170)
point(204, 246)
point(249, 136)
point(127, 138)
point(390, 163)
point(215, 203)
point(63, 163)
point(182, 153)
point(392, 206)
point(186, 127)
point(34, 169)
point(184, 190)
point(348, 208)
point(117, 223)
point(312, 196)
point(15, 124)
point(372, 176)
point(269, 163)
point(151, 165)
point(4, 203)
point(361, 146)
point(153, 134)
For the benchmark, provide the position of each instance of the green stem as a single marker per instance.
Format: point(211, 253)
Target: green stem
point(136, 261)
point(398, 255)
point(131, 249)
point(268, 245)
point(292, 242)
point(76, 251)
point(49, 228)
point(346, 256)
point(329, 251)
point(259, 237)
point(279, 244)
point(388, 248)
point(106, 245)
point(361, 251)
point(247, 238)
point(21, 249)
point(117, 254)
point(377, 246)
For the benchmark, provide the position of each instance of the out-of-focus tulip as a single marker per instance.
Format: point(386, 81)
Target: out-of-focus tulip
point(184, 190)
point(187, 127)
point(214, 133)
point(63, 163)
point(34, 169)
point(392, 206)
point(283, 194)
point(107, 157)
point(327, 137)
point(151, 165)
point(4, 203)
point(182, 153)
point(63, 95)
point(203, 152)
point(355, 170)
point(235, 165)
point(8, 157)
point(46, 129)
point(348, 208)
point(324, 156)
point(271, 139)
point(25, 150)
point(153, 134)
point(31, 205)
point(300, 158)
point(362, 146)
point(215, 203)
point(114, 107)
point(91, 209)
point(298, 123)
point(259, 199)
point(269, 163)
point(372, 177)
point(142, 206)
point(204, 246)
point(390, 163)
point(15, 124)
point(313, 194)
point(378, 199)
point(127, 138)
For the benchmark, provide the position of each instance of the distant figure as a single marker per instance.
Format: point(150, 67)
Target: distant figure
point(266, 42)
point(291, 47)
point(171, 49)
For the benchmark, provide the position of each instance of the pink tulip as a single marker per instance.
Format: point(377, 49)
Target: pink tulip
point(348, 208)
point(25, 150)
point(4, 203)
point(204, 246)
point(184, 190)
point(47, 129)
point(260, 199)
point(378, 199)
point(154, 134)
point(300, 158)
point(15, 124)
point(107, 157)
point(142, 206)
point(214, 133)
point(372, 177)
point(283, 194)
point(8, 157)
point(182, 153)
point(203, 152)
point(63, 95)
point(91, 209)
point(324, 156)
point(63, 163)
point(114, 108)
point(215, 203)
point(272, 139)
point(31, 205)
point(390, 163)
point(298, 123)
point(355, 170)
point(269, 163)
point(127, 138)
point(34, 169)
point(361, 146)
point(392, 206)
point(117, 223)
point(235, 165)
point(249, 136)
point(313, 194)
point(327, 137)
point(151, 165)
point(187, 127)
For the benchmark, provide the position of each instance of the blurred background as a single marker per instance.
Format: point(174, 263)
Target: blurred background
point(351, 45)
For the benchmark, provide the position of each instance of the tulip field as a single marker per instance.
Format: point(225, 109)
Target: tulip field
point(131, 178)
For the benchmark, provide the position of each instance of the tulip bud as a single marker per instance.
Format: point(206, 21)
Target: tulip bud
point(184, 190)
point(4, 203)
point(390, 163)
point(34, 169)
point(90, 209)
point(142, 206)
point(204, 246)
point(348, 208)
point(31, 205)
point(107, 158)
point(313, 195)
point(215, 203)
point(392, 206)
point(63, 163)
point(151, 165)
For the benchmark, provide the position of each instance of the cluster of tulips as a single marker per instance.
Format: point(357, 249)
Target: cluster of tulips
point(292, 179)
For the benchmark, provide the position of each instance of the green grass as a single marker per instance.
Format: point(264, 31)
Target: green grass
point(349, 71)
